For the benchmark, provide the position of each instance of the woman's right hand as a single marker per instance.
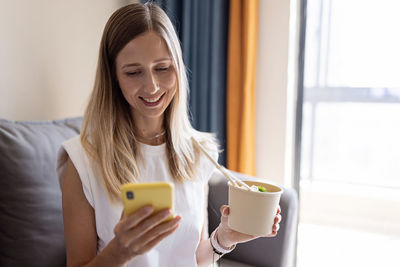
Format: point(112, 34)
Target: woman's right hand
point(141, 231)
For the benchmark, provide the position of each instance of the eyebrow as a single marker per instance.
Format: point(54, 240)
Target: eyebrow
point(137, 64)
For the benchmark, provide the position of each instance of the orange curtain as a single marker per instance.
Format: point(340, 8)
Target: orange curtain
point(242, 51)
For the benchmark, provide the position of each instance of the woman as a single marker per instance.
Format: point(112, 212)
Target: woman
point(136, 129)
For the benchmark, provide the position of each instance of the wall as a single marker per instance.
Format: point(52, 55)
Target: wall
point(49, 54)
point(275, 89)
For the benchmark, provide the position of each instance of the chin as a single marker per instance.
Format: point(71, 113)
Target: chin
point(154, 115)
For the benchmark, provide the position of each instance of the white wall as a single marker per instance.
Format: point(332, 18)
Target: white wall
point(275, 89)
point(48, 52)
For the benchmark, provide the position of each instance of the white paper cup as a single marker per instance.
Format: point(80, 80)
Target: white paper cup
point(252, 212)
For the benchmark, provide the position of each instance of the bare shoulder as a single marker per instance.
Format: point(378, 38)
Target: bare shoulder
point(79, 219)
point(72, 185)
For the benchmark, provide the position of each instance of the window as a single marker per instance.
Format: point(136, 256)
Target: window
point(351, 108)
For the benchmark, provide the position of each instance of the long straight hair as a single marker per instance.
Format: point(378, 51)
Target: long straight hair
point(107, 129)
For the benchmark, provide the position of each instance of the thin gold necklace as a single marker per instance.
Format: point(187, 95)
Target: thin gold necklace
point(154, 137)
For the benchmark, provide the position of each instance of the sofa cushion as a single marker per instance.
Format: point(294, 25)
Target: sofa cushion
point(31, 227)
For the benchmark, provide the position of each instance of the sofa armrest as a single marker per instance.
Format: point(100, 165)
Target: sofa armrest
point(276, 251)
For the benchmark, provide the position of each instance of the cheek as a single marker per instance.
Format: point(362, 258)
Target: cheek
point(168, 81)
point(129, 87)
point(171, 86)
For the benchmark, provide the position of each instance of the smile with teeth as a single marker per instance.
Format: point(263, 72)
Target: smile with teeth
point(151, 101)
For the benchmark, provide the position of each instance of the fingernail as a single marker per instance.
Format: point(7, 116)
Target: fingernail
point(226, 211)
point(167, 212)
point(149, 208)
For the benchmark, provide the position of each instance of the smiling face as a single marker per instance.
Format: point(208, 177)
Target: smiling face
point(147, 77)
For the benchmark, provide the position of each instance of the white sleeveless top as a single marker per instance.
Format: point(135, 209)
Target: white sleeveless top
point(178, 249)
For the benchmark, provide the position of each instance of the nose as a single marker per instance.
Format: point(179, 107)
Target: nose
point(151, 85)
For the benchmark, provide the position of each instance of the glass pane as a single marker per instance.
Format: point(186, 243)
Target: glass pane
point(312, 46)
point(357, 143)
point(351, 126)
point(364, 41)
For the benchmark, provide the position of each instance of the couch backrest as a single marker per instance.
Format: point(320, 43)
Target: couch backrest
point(31, 226)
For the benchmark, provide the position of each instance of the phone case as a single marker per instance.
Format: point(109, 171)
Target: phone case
point(136, 195)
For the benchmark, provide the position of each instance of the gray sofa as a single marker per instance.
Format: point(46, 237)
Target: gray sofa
point(31, 227)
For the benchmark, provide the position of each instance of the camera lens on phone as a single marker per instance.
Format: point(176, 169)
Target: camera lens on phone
point(129, 195)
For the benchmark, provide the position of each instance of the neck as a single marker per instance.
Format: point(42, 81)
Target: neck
point(151, 132)
point(158, 139)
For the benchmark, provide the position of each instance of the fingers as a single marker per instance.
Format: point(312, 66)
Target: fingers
point(275, 228)
point(224, 210)
point(136, 231)
point(152, 243)
point(135, 218)
point(149, 224)
point(138, 216)
point(158, 230)
point(141, 231)
point(128, 222)
point(224, 215)
point(278, 219)
point(278, 210)
point(154, 236)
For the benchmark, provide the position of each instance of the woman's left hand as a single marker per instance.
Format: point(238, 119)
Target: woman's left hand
point(227, 237)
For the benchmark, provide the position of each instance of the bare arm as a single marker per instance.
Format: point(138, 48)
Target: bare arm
point(134, 235)
point(80, 225)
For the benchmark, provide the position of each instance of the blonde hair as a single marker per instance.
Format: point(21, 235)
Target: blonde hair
point(107, 128)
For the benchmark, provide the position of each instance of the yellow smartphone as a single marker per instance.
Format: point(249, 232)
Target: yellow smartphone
point(159, 194)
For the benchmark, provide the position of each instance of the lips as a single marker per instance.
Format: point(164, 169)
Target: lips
point(151, 102)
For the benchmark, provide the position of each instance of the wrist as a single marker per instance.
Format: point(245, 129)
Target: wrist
point(114, 254)
point(222, 240)
point(217, 247)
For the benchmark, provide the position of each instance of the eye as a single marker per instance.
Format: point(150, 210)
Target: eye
point(133, 73)
point(162, 68)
